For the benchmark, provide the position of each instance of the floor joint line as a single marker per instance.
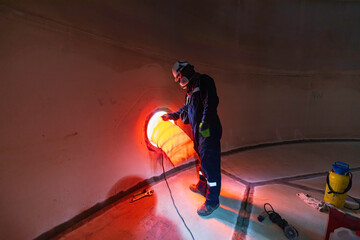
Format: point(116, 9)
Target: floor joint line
point(280, 180)
point(243, 220)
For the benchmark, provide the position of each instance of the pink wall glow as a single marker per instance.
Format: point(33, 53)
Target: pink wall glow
point(79, 78)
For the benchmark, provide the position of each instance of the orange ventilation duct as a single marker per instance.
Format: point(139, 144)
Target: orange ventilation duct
point(170, 138)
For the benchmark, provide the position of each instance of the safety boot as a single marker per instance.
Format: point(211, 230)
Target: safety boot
point(206, 209)
point(194, 188)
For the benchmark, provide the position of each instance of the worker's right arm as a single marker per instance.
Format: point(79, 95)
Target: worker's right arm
point(174, 115)
point(181, 113)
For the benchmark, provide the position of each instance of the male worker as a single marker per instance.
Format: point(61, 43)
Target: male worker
point(200, 111)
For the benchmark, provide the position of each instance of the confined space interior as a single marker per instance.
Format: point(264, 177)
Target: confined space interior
point(168, 137)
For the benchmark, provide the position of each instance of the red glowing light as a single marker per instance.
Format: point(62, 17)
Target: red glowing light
point(153, 122)
point(170, 138)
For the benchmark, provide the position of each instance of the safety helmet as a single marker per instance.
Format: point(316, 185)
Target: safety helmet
point(176, 70)
point(178, 67)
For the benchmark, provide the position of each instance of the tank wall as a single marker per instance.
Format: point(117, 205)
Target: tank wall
point(79, 78)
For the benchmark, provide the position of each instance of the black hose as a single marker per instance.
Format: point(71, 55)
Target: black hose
point(172, 198)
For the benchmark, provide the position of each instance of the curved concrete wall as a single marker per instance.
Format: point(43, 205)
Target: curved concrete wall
point(78, 79)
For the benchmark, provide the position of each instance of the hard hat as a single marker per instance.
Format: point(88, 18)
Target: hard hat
point(177, 68)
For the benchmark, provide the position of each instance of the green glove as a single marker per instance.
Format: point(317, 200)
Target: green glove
point(204, 129)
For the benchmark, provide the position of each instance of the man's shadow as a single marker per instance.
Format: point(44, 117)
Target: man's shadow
point(230, 212)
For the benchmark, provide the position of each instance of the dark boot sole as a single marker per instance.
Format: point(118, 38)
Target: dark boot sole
point(210, 211)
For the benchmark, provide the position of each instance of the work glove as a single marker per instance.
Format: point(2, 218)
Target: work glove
point(165, 117)
point(204, 129)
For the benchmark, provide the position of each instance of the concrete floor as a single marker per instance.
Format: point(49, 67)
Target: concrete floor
point(250, 179)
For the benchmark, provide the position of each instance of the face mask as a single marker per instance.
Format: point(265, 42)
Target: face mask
point(183, 82)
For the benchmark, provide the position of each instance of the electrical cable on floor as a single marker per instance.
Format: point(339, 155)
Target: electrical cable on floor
point(172, 198)
point(289, 231)
point(271, 211)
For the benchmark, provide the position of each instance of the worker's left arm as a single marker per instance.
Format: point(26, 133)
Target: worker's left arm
point(210, 102)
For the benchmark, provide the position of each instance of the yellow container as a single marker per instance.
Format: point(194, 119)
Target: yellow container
point(339, 183)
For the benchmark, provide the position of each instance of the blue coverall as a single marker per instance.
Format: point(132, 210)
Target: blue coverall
point(201, 104)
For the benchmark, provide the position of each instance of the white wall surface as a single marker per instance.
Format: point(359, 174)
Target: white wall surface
point(78, 79)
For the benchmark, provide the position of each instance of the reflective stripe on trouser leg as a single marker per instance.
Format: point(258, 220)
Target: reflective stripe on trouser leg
point(210, 167)
point(202, 184)
point(211, 184)
point(202, 176)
